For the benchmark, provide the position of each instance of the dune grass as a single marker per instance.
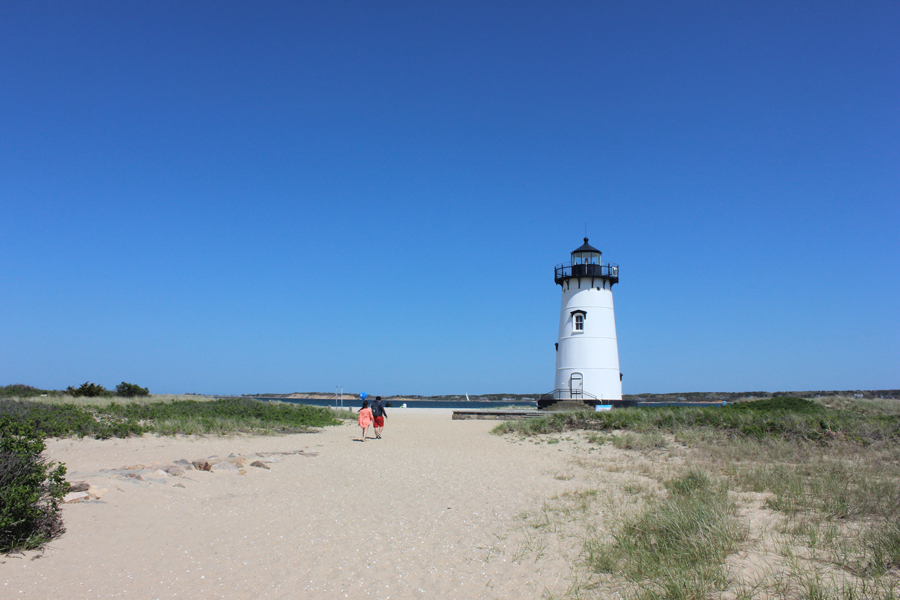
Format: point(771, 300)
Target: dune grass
point(776, 417)
point(828, 471)
point(104, 401)
point(122, 417)
point(676, 546)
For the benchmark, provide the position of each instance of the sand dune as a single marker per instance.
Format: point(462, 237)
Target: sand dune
point(430, 511)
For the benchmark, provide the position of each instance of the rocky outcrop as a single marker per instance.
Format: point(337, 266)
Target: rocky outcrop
point(155, 473)
point(95, 493)
point(173, 470)
point(238, 461)
point(224, 466)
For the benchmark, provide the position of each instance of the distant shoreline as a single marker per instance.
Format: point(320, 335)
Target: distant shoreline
point(710, 397)
point(401, 403)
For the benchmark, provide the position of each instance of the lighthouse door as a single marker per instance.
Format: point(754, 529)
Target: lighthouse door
point(576, 385)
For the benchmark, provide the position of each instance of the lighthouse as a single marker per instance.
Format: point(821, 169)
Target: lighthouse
point(587, 354)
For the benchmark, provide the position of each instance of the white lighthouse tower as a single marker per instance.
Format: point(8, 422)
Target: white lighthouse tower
point(587, 355)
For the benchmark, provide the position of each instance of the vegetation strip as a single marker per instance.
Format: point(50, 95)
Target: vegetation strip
point(222, 416)
point(776, 417)
point(828, 479)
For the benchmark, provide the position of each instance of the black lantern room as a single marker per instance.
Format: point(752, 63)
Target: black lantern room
point(587, 262)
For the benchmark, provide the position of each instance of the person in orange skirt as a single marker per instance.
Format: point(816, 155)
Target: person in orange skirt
point(365, 418)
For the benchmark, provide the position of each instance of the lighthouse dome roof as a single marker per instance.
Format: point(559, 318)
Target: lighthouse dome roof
point(586, 248)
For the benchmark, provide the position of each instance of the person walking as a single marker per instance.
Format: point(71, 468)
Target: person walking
point(378, 416)
point(365, 418)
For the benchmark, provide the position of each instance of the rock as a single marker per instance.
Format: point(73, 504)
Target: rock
point(173, 470)
point(161, 473)
point(79, 486)
point(134, 468)
point(202, 465)
point(242, 472)
point(260, 464)
point(224, 466)
point(238, 461)
point(184, 464)
point(159, 480)
point(272, 459)
point(96, 493)
point(75, 497)
point(232, 455)
point(181, 485)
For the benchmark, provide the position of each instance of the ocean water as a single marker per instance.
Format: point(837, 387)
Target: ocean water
point(355, 403)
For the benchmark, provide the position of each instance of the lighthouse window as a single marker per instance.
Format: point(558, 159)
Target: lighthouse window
point(579, 322)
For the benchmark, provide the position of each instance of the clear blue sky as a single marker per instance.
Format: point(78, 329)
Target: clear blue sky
point(240, 197)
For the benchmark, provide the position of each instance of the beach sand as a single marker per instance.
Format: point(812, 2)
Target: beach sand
point(433, 510)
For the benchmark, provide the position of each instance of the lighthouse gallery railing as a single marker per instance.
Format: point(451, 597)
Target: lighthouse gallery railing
point(607, 271)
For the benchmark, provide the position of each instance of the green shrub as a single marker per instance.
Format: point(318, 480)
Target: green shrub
point(18, 390)
point(30, 489)
point(91, 390)
point(131, 390)
point(796, 405)
point(61, 420)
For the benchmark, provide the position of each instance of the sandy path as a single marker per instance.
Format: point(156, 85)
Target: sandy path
point(430, 511)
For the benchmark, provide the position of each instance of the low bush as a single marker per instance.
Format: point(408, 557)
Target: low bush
point(88, 389)
point(62, 420)
point(30, 489)
point(795, 405)
point(18, 390)
point(131, 390)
